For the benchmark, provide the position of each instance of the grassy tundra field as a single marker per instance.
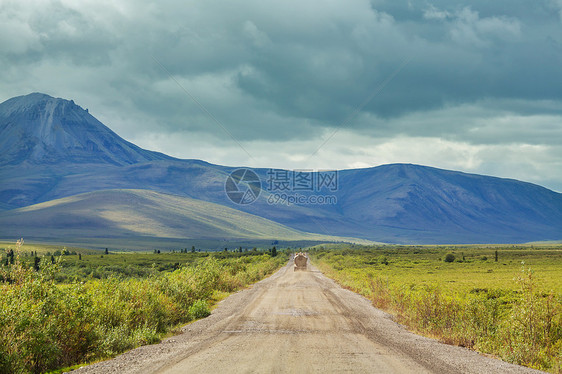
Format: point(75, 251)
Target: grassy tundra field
point(65, 306)
point(501, 300)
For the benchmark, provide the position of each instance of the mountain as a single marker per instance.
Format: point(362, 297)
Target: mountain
point(52, 149)
point(423, 204)
point(142, 213)
point(40, 129)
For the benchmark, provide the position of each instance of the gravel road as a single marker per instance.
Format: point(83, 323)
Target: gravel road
point(299, 322)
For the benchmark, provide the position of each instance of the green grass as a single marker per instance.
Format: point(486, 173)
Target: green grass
point(42, 249)
point(81, 310)
point(511, 308)
point(425, 266)
point(130, 213)
point(80, 264)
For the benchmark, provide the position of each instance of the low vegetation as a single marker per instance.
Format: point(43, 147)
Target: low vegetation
point(79, 307)
point(503, 301)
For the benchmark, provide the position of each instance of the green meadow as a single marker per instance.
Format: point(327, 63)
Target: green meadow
point(500, 300)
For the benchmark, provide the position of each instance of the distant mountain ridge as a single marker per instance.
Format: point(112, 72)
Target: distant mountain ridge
point(434, 202)
point(52, 148)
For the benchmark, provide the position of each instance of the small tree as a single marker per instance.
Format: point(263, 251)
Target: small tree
point(192, 249)
point(496, 254)
point(383, 260)
point(449, 257)
point(36, 261)
point(106, 251)
point(273, 252)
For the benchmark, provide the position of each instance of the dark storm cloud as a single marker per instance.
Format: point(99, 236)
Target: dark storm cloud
point(312, 62)
point(458, 56)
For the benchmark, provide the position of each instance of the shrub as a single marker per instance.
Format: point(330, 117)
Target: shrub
point(449, 257)
point(45, 325)
point(199, 309)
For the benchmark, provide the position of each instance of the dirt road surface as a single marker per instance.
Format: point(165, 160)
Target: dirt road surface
point(299, 322)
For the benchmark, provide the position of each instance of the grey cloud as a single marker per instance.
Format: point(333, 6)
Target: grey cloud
point(316, 60)
point(293, 70)
point(485, 122)
point(462, 60)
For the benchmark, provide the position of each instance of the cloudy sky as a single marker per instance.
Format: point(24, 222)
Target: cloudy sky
point(472, 86)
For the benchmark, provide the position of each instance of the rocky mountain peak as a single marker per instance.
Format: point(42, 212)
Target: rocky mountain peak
point(38, 128)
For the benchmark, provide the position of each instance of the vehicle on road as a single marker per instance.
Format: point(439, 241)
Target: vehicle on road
point(300, 260)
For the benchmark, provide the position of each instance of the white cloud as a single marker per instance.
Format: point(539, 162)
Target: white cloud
point(433, 13)
point(532, 163)
point(16, 34)
point(468, 28)
point(258, 37)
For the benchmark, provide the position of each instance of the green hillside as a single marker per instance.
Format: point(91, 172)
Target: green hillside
point(141, 213)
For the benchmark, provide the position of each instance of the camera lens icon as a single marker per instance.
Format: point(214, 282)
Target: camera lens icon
point(243, 186)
